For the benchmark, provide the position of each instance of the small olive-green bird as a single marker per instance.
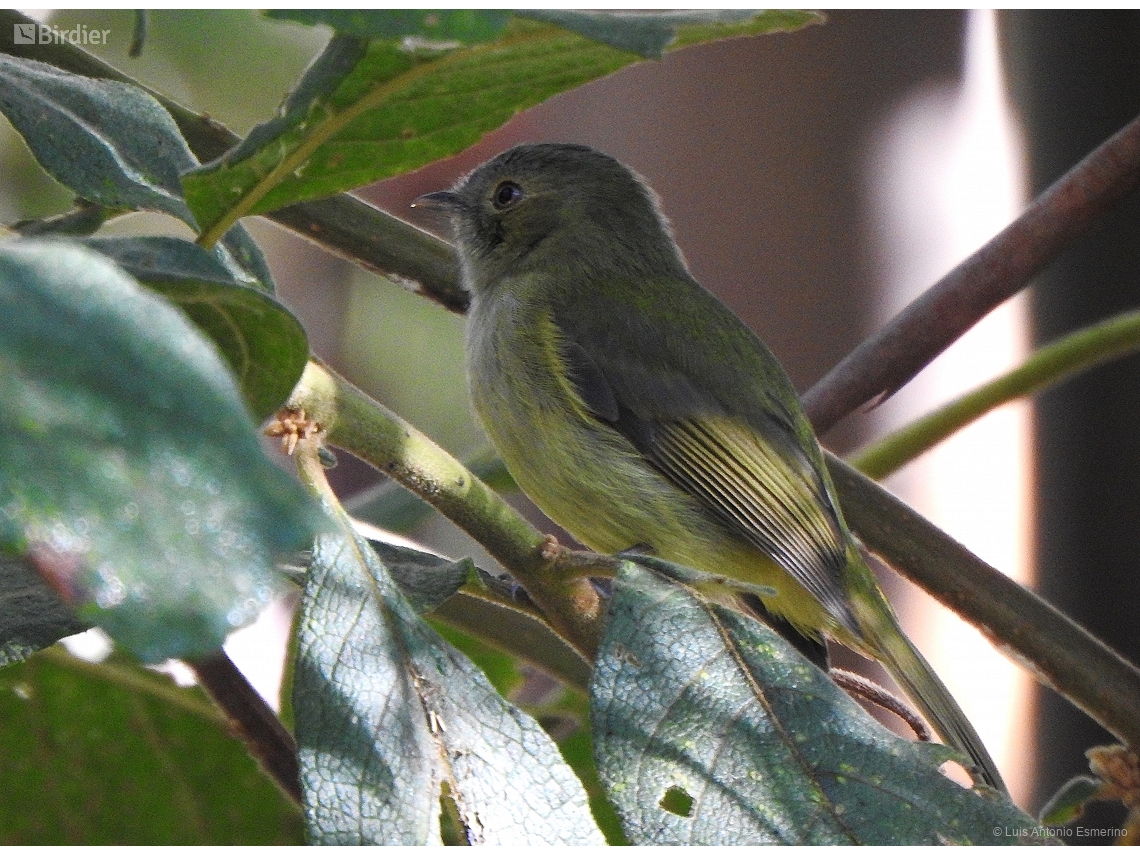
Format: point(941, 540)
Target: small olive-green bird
point(636, 410)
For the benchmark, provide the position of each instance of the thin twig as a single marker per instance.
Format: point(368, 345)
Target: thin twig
point(1053, 363)
point(859, 686)
point(882, 364)
point(251, 720)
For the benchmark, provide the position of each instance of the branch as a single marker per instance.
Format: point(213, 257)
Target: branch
point(1055, 648)
point(252, 720)
point(1051, 364)
point(367, 429)
point(882, 364)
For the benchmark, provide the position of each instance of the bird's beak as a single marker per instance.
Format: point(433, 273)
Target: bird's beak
point(441, 200)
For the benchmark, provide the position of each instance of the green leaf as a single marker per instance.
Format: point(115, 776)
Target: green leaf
point(518, 631)
point(1068, 803)
point(84, 219)
point(32, 616)
point(241, 255)
point(650, 33)
point(367, 111)
point(110, 142)
point(386, 711)
point(113, 144)
point(464, 25)
point(113, 754)
point(425, 580)
point(711, 730)
point(133, 477)
point(433, 584)
point(163, 259)
point(263, 343)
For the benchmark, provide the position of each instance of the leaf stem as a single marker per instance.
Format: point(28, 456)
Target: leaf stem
point(252, 720)
point(1051, 364)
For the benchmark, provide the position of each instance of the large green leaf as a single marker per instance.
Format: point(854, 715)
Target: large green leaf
point(132, 478)
point(370, 110)
point(264, 344)
point(116, 755)
point(386, 712)
point(710, 729)
point(110, 142)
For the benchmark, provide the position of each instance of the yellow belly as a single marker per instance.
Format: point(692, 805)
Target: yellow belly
point(599, 488)
point(586, 476)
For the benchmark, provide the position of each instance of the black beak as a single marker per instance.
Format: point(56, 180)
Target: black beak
point(441, 200)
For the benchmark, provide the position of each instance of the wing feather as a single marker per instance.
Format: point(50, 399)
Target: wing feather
point(779, 505)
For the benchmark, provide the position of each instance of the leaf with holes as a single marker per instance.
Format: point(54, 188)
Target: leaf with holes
point(712, 730)
point(387, 712)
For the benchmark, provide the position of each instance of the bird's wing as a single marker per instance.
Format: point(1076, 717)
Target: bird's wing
point(751, 472)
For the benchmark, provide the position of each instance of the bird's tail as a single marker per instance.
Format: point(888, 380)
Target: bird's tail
point(913, 673)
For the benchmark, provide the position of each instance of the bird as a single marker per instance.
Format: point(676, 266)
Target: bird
point(639, 412)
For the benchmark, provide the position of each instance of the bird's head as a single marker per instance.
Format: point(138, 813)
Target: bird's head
point(554, 207)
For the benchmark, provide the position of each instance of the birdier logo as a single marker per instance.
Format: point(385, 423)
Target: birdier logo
point(42, 34)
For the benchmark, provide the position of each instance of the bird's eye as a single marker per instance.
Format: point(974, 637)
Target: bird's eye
point(506, 194)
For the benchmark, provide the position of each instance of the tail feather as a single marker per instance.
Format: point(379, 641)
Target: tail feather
point(911, 671)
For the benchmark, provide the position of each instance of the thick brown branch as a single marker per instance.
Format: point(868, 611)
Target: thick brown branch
point(252, 720)
point(885, 362)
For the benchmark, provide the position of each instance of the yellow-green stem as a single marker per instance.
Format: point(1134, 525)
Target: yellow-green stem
point(1051, 364)
point(367, 429)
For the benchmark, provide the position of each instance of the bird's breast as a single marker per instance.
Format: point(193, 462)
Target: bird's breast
point(579, 471)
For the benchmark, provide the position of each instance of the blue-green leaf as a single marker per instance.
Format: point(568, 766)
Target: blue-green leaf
point(133, 479)
point(710, 729)
point(110, 142)
point(264, 344)
point(386, 711)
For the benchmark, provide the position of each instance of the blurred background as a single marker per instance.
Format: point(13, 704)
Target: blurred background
point(816, 181)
